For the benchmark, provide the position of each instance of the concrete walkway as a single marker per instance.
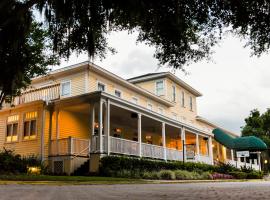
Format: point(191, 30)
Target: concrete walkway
point(209, 191)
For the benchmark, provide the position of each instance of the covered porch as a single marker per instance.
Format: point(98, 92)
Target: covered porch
point(119, 127)
point(101, 124)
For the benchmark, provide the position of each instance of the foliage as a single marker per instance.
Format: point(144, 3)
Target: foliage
point(258, 124)
point(128, 167)
point(181, 31)
point(221, 176)
point(112, 164)
point(11, 163)
point(166, 175)
point(23, 60)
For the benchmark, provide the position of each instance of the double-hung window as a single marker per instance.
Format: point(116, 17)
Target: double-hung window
point(65, 88)
point(117, 93)
point(12, 128)
point(183, 99)
point(134, 100)
point(150, 106)
point(191, 103)
point(101, 87)
point(173, 93)
point(30, 125)
point(160, 87)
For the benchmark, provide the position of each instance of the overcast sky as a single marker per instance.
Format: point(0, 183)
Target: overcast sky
point(232, 84)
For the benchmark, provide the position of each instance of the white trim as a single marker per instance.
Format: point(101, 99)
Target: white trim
point(70, 91)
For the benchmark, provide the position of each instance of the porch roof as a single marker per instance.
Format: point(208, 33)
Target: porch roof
point(95, 96)
point(239, 143)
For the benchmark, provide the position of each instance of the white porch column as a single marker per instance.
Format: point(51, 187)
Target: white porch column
point(164, 141)
point(140, 133)
point(108, 127)
point(197, 145)
point(259, 160)
point(232, 155)
point(57, 128)
point(92, 111)
point(210, 146)
point(183, 138)
point(100, 126)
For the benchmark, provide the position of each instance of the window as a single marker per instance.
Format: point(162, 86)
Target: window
point(149, 106)
point(65, 88)
point(101, 87)
point(117, 93)
point(12, 128)
point(190, 103)
point(173, 93)
point(174, 115)
point(160, 87)
point(183, 99)
point(160, 110)
point(135, 100)
point(30, 126)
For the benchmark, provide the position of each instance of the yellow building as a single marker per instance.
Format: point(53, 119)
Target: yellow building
point(82, 112)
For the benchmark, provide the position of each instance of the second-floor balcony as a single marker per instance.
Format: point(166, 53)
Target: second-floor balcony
point(47, 93)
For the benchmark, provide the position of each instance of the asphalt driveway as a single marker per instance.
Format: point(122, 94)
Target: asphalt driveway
point(209, 191)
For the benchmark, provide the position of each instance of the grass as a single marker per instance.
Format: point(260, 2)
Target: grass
point(63, 180)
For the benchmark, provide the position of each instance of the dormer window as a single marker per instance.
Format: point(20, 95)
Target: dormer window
point(160, 87)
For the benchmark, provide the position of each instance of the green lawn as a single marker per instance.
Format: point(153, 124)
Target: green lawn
point(47, 179)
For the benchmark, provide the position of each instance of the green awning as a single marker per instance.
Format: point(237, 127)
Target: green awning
point(239, 143)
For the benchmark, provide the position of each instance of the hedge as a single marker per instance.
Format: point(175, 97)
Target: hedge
point(111, 164)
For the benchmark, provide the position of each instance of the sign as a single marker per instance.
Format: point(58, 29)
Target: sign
point(242, 154)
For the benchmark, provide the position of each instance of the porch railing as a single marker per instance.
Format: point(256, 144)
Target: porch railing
point(46, 93)
point(70, 146)
point(123, 146)
point(174, 154)
point(152, 151)
point(240, 164)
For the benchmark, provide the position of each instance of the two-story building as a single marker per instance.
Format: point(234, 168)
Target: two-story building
point(81, 112)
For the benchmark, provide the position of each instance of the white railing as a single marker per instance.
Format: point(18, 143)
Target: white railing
point(80, 147)
point(70, 146)
point(47, 93)
point(204, 159)
point(152, 151)
point(240, 164)
point(174, 154)
point(123, 146)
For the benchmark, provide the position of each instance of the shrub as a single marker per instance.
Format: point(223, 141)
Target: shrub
point(239, 175)
point(111, 164)
point(255, 175)
point(150, 175)
point(166, 175)
point(11, 163)
point(182, 175)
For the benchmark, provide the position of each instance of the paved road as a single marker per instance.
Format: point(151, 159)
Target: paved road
point(209, 191)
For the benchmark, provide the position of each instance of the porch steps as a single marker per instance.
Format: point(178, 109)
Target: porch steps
point(83, 169)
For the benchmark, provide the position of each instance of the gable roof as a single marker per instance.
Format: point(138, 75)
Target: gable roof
point(153, 76)
point(89, 65)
